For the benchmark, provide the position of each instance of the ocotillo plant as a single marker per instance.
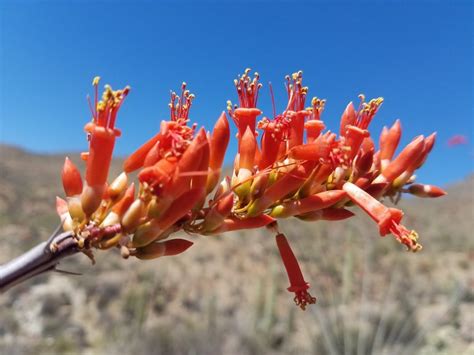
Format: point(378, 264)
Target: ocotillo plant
point(296, 170)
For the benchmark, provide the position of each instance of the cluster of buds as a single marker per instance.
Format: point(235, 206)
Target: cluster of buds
point(296, 170)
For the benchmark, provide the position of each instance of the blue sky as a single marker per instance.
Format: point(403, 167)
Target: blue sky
point(417, 55)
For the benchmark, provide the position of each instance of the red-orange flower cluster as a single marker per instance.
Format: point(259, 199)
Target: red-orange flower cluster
point(293, 170)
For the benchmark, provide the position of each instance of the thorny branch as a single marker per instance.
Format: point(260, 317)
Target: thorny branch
point(43, 257)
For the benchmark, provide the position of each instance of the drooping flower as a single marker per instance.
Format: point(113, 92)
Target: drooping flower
point(298, 285)
point(387, 218)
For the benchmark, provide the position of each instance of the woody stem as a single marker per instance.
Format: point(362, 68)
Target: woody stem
point(41, 258)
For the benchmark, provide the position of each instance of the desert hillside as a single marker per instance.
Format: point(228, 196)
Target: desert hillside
point(227, 294)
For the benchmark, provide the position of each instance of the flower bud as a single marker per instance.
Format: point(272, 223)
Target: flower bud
point(177, 210)
point(61, 207)
point(219, 141)
point(287, 184)
point(167, 248)
point(91, 198)
point(136, 160)
point(117, 186)
point(121, 206)
point(421, 190)
point(216, 215)
point(107, 243)
point(68, 224)
point(75, 208)
point(311, 203)
point(131, 218)
point(147, 233)
point(297, 128)
point(233, 223)
point(389, 140)
point(71, 177)
point(397, 166)
point(327, 214)
point(348, 118)
point(111, 219)
point(259, 184)
point(311, 151)
point(248, 145)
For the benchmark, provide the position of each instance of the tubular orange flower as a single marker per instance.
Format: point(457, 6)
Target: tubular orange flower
point(275, 133)
point(387, 218)
point(245, 114)
point(295, 109)
point(174, 136)
point(296, 128)
point(102, 133)
point(314, 125)
point(297, 283)
point(246, 117)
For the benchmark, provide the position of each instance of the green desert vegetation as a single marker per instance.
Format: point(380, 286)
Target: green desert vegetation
point(227, 294)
